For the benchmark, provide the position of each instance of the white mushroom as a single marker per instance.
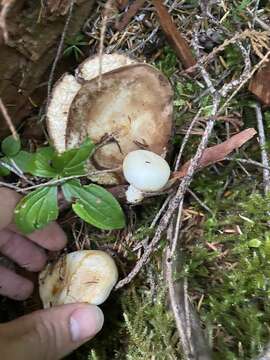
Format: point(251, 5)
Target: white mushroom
point(80, 276)
point(145, 171)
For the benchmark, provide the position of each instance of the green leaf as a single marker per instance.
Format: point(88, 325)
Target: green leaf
point(3, 170)
point(95, 205)
point(37, 209)
point(254, 243)
point(71, 189)
point(41, 163)
point(72, 162)
point(24, 160)
point(11, 146)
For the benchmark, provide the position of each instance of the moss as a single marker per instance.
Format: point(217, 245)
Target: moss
point(138, 326)
point(228, 270)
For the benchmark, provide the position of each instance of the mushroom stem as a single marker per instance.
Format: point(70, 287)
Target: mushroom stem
point(134, 195)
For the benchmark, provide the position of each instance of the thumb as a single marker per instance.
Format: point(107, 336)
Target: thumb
point(50, 334)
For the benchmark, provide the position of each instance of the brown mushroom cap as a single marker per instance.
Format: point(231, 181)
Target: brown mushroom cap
point(67, 87)
point(134, 105)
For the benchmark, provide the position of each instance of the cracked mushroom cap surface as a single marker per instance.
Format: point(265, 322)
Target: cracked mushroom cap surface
point(133, 105)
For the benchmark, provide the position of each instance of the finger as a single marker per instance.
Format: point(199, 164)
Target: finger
point(52, 237)
point(13, 285)
point(50, 334)
point(22, 251)
point(9, 200)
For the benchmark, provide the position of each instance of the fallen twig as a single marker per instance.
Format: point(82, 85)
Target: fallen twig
point(59, 50)
point(173, 35)
point(248, 161)
point(262, 141)
point(8, 120)
point(54, 182)
point(6, 5)
point(202, 204)
point(256, 67)
point(108, 6)
point(188, 325)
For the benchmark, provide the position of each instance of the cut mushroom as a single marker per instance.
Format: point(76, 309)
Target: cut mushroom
point(67, 87)
point(80, 276)
point(145, 171)
point(89, 69)
point(133, 106)
point(57, 115)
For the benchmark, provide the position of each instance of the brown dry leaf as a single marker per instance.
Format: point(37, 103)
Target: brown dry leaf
point(131, 12)
point(218, 152)
point(173, 35)
point(259, 85)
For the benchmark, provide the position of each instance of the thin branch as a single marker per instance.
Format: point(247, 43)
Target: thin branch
point(55, 182)
point(6, 5)
point(256, 67)
point(247, 161)
point(262, 141)
point(16, 171)
point(6, 116)
point(202, 204)
point(185, 140)
point(11, 186)
point(108, 7)
point(59, 50)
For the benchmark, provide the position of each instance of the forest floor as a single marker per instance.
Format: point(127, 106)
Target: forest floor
point(221, 266)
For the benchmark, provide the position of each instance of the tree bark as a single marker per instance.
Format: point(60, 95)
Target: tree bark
point(33, 38)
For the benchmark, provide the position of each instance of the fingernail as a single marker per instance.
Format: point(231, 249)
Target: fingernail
point(85, 322)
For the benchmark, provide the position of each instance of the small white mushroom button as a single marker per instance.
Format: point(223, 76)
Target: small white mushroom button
point(80, 276)
point(145, 171)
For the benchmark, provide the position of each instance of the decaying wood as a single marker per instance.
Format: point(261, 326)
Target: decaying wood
point(259, 85)
point(218, 152)
point(173, 35)
point(131, 12)
point(29, 53)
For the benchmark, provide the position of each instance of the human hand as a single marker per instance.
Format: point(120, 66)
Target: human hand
point(45, 334)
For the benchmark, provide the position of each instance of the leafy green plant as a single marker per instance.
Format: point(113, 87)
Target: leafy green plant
point(92, 203)
point(74, 45)
point(12, 155)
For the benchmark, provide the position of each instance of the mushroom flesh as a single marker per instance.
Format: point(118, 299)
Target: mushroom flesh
point(80, 276)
